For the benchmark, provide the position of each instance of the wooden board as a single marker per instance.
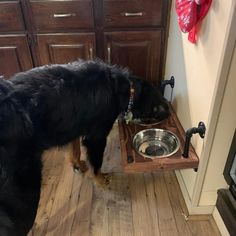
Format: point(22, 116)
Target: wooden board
point(143, 164)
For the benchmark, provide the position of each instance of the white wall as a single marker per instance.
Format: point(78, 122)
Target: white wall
point(196, 68)
point(223, 137)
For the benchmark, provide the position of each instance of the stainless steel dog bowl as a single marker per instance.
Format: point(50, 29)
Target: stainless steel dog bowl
point(147, 122)
point(156, 143)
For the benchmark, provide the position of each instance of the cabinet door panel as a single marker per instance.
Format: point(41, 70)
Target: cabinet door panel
point(139, 51)
point(63, 48)
point(10, 16)
point(14, 55)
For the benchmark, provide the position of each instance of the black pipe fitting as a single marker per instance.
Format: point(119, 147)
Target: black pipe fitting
point(201, 130)
point(171, 82)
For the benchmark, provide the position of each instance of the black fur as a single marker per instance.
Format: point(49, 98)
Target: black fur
point(51, 106)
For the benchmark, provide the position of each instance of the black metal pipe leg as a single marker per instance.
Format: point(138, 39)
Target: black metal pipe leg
point(201, 130)
point(186, 145)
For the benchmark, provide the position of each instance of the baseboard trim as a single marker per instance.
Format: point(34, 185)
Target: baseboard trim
point(220, 223)
point(192, 210)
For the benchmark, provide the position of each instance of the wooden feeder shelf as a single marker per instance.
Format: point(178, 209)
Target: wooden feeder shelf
point(134, 162)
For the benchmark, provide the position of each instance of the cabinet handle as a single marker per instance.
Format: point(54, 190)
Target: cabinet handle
point(109, 54)
point(63, 15)
point(91, 53)
point(132, 14)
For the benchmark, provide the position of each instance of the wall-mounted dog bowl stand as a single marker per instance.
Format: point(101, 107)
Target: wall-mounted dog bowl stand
point(133, 161)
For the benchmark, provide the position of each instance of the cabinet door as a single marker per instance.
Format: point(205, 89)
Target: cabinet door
point(15, 55)
point(63, 48)
point(139, 51)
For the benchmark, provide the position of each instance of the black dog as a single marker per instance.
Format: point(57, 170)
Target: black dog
point(51, 106)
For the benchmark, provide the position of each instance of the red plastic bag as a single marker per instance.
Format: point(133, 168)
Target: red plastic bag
point(190, 14)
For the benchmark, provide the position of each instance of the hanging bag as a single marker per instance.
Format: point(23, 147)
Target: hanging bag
point(190, 14)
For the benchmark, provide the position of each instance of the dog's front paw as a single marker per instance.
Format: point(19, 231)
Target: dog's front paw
point(81, 166)
point(102, 180)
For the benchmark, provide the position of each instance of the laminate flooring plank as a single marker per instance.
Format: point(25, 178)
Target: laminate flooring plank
point(152, 203)
point(174, 196)
point(114, 195)
point(141, 215)
point(123, 197)
point(167, 224)
point(112, 154)
point(119, 207)
point(83, 207)
point(99, 216)
point(60, 221)
point(111, 209)
point(201, 227)
point(53, 164)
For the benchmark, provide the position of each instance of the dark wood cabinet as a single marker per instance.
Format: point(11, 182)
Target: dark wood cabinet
point(138, 50)
point(135, 35)
point(62, 15)
point(134, 13)
point(14, 55)
point(11, 18)
point(63, 31)
point(63, 48)
point(130, 33)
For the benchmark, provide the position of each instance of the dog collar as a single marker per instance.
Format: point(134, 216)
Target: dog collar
point(128, 114)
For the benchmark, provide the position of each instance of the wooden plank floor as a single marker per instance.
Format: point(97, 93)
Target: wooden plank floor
point(134, 204)
point(149, 204)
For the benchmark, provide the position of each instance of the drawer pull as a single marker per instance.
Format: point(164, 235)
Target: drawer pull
point(132, 14)
point(64, 15)
point(91, 53)
point(109, 54)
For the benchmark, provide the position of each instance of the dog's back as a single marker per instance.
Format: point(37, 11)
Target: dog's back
point(65, 101)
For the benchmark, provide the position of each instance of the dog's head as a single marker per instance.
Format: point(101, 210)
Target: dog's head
point(148, 101)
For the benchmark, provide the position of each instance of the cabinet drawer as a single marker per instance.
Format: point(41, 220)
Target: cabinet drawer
point(10, 16)
point(129, 13)
point(54, 15)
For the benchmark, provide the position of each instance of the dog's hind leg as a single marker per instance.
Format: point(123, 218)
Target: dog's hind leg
point(75, 154)
point(95, 149)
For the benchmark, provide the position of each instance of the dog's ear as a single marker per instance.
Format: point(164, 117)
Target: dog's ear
point(122, 89)
point(140, 87)
point(121, 86)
